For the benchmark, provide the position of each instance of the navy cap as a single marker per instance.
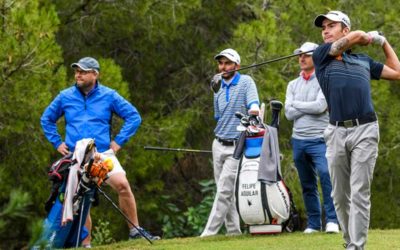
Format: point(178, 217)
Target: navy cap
point(87, 64)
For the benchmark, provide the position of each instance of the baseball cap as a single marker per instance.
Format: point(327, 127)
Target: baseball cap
point(87, 63)
point(307, 46)
point(231, 54)
point(334, 15)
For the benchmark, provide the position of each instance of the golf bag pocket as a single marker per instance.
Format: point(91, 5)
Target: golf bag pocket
point(278, 202)
point(253, 147)
point(55, 235)
point(57, 174)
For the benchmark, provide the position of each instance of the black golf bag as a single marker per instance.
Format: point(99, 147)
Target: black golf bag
point(263, 201)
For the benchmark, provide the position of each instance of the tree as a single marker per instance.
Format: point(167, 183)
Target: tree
point(32, 68)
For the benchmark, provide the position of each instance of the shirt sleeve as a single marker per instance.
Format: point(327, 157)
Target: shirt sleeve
point(291, 112)
point(321, 55)
point(129, 114)
point(49, 121)
point(313, 108)
point(251, 94)
point(375, 69)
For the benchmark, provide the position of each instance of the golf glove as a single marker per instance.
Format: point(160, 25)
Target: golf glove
point(216, 82)
point(376, 37)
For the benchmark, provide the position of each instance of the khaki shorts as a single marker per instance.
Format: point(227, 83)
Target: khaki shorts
point(117, 166)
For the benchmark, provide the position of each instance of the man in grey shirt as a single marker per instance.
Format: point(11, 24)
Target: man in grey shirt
point(306, 105)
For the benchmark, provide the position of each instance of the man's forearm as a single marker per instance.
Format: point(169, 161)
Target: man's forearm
point(355, 37)
point(392, 60)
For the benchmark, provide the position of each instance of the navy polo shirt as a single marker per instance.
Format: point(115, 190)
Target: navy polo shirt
point(346, 82)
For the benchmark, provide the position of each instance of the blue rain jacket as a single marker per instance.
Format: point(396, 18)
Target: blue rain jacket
point(89, 117)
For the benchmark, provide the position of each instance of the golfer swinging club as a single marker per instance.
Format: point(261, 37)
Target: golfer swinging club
point(353, 133)
point(233, 92)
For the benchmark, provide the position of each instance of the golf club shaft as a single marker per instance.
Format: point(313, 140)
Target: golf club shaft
point(80, 223)
point(177, 149)
point(122, 213)
point(270, 61)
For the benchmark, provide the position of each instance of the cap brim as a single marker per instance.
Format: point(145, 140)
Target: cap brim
point(319, 19)
point(299, 51)
point(74, 65)
point(218, 56)
point(230, 58)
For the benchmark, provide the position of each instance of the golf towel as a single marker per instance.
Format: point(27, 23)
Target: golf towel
point(72, 183)
point(270, 166)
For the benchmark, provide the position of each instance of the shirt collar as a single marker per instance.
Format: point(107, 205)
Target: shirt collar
point(307, 76)
point(234, 81)
point(91, 91)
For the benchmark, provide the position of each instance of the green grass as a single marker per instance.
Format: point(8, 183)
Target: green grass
point(377, 239)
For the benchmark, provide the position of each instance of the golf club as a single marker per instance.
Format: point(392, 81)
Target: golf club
point(216, 80)
point(123, 214)
point(177, 149)
point(270, 61)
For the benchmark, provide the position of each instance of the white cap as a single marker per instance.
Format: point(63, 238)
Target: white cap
point(335, 15)
point(231, 54)
point(307, 46)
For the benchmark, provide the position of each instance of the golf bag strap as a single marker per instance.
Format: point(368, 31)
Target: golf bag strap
point(264, 200)
point(237, 188)
point(237, 154)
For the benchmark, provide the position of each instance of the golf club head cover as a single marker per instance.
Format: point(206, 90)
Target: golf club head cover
point(216, 83)
point(376, 37)
point(276, 107)
point(100, 169)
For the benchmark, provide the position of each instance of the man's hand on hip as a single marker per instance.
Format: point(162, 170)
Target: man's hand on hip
point(115, 147)
point(63, 149)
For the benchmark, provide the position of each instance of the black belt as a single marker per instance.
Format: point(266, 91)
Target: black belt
point(370, 117)
point(225, 142)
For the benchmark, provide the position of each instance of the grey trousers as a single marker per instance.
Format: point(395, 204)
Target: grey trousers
point(351, 154)
point(224, 206)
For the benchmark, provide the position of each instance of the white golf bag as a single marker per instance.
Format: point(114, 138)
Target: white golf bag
point(262, 205)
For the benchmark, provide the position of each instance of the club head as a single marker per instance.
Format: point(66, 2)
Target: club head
point(254, 120)
point(239, 115)
point(241, 128)
point(254, 129)
point(89, 151)
point(245, 121)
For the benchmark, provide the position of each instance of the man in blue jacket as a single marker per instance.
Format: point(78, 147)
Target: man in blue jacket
point(87, 108)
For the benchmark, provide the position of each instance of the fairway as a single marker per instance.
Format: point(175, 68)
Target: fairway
point(377, 239)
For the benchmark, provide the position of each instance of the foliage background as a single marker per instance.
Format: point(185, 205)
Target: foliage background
point(159, 55)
